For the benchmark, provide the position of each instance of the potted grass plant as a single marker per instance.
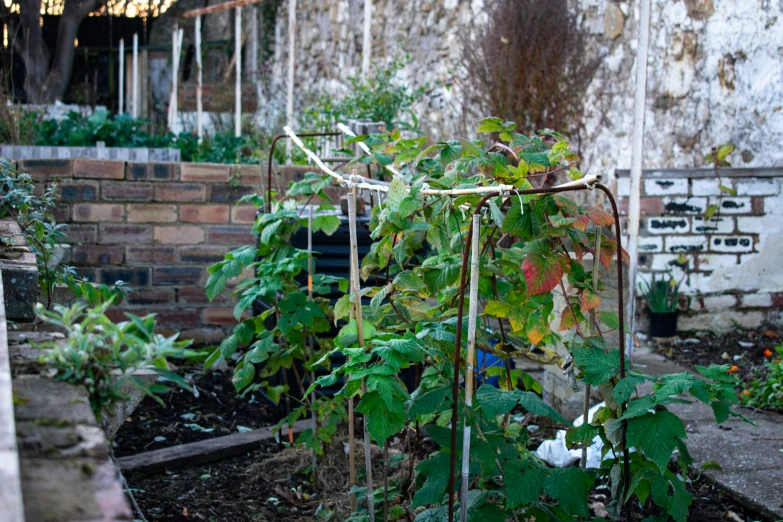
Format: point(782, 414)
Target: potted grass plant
point(662, 296)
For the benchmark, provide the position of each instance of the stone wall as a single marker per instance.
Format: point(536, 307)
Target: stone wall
point(712, 71)
point(157, 226)
point(732, 261)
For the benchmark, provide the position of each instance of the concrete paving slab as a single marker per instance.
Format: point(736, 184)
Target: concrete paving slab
point(751, 456)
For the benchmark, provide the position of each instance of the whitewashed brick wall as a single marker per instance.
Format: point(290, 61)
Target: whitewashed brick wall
point(733, 266)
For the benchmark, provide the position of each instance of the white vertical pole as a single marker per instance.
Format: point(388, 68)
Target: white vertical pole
point(254, 46)
point(238, 81)
point(121, 105)
point(367, 41)
point(636, 166)
point(289, 111)
point(174, 67)
point(135, 76)
point(199, 107)
point(471, 356)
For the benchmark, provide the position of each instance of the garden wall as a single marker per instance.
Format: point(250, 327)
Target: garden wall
point(157, 226)
point(732, 261)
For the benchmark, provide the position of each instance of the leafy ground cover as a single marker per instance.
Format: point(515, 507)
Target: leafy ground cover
point(215, 410)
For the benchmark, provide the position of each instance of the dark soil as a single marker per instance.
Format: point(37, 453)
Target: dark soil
point(726, 349)
point(267, 485)
point(217, 410)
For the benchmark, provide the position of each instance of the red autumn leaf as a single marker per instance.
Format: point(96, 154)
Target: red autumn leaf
point(609, 253)
point(599, 216)
point(566, 204)
point(590, 300)
point(581, 221)
point(543, 272)
point(567, 320)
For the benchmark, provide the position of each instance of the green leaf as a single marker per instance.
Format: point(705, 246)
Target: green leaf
point(433, 401)
point(582, 434)
point(494, 402)
point(343, 307)
point(408, 206)
point(569, 488)
point(497, 308)
point(524, 482)
point(409, 281)
point(625, 387)
point(535, 404)
point(657, 435)
point(213, 359)
point(397, 193)
point(711, 210)
point(436, 514)
point(598, 366)
point(215, 284)
point(243, 376)
point(436, 471)
point(383, 420)
point(326, 224)
point(609, 319)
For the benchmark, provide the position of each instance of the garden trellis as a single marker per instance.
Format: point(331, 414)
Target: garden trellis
point(354, 182)
point(421, 247)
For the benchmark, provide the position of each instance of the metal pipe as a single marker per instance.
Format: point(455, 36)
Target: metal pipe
point(268, 202)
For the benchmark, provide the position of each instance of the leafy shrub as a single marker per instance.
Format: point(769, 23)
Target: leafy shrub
point(103, 356)
point(767, 390)
point(530, 65)
point(381, 97)
point(412, 277)
point(662, 295)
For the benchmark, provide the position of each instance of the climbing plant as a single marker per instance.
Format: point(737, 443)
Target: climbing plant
point(533, 294)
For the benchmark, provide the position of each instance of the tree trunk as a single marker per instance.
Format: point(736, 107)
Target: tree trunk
point(48, 78)
point(31, 46)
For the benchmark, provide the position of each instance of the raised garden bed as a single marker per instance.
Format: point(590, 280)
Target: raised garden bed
point(217, 411)
point(741, 348)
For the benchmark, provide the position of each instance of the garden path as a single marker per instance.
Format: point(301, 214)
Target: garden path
point(750, 457)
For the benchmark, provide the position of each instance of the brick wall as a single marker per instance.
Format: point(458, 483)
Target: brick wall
point(157, 226)
point(732, 269)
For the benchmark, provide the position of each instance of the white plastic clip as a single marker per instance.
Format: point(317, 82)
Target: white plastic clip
point(588, 185)
point(521, 205)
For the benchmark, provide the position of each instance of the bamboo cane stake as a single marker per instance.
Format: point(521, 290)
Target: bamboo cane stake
point(121, 107)
point(352, 427)
point(310, 272)
point(360, 331)
point(199, 105)
point(469, 367)
point(588, 388)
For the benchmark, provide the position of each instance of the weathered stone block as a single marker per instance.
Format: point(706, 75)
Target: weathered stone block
point(666, 187)
point(684, 244)
point(731, 244)
point(668, 225)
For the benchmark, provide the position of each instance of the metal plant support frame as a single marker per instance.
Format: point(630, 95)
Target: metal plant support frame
point(589, 182)
point(268, 202)
point(460, 315)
